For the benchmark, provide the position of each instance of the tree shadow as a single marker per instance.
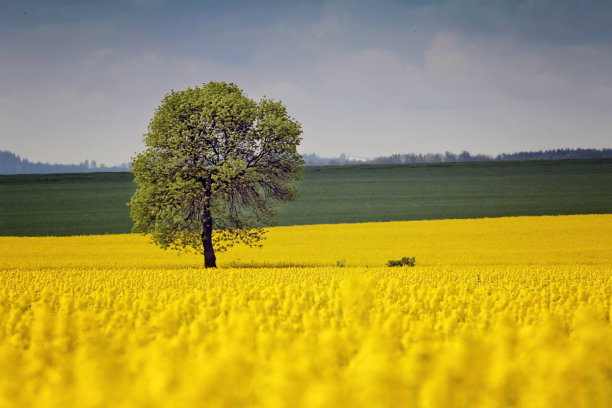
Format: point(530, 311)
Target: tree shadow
point(239, 264)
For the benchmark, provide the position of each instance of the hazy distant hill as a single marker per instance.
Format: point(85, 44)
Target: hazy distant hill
point(10, 163)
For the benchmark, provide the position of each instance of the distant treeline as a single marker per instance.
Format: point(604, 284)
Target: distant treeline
point(557, 154)
point(10, 163)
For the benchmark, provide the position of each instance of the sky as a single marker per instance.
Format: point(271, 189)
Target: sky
point(81, 79)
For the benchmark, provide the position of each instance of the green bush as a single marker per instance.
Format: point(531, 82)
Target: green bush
point(401, 262)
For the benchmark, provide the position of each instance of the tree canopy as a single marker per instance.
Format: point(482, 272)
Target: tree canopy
point(215, 167)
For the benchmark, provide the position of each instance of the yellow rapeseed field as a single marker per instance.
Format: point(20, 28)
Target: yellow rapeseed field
point(507, 312)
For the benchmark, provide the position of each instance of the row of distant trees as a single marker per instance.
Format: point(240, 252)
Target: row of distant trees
point(465, 156)
point(10, 163)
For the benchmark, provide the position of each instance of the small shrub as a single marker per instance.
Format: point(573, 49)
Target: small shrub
point(405, 261)
point(340, 263)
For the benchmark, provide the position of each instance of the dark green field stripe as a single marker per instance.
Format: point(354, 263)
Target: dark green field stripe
point(95, 203)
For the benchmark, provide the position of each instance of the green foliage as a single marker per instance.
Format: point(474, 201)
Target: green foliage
point(405, 261)
point(214, 160)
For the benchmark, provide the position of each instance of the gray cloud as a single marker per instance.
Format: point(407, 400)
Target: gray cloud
point(81, 80)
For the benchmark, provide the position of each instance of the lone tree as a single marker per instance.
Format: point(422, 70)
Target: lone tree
point(216, 165)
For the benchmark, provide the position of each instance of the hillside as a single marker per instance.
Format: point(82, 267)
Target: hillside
point(10, 163)
point(95, 203)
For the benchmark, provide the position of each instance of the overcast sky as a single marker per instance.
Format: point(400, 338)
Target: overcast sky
point(80, 80)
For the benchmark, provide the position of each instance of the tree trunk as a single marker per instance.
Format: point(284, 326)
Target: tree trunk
point(210, 261)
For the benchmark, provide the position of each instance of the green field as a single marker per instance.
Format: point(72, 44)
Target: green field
point(94, 203)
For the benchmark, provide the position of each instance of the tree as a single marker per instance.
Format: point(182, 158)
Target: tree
point(215, 167)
